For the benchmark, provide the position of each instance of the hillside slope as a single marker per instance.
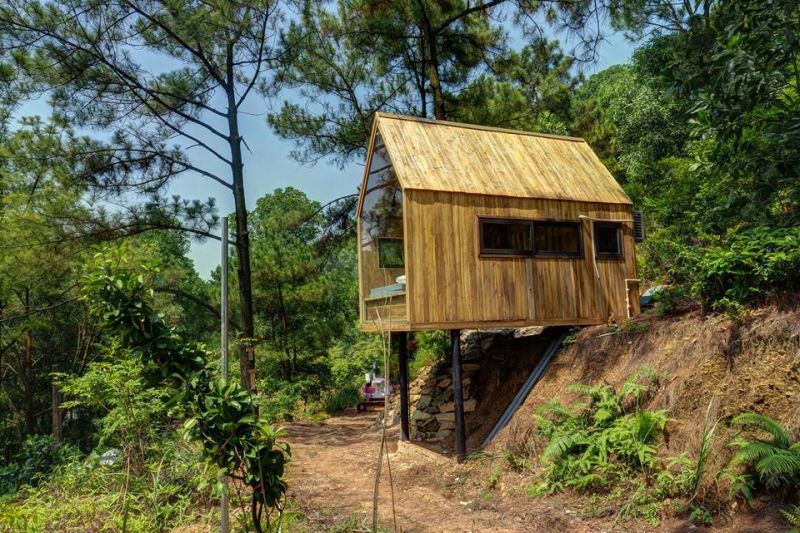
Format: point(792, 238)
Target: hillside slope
point(752, 365)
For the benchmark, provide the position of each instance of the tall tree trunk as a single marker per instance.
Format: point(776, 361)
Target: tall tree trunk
point(436, 86)
point(27, 385)
point(57, 412)
point(247, 356)
point(433, 68)
point(27, 374)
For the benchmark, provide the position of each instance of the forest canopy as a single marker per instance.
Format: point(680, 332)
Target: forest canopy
point(701, 127)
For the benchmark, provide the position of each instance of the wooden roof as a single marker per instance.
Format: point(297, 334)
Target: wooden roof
point(448, 156)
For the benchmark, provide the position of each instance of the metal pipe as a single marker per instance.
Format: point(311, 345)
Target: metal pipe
point(402, 348)
point(223, 313)
point(458, 395)
point(526, 388)
point(628, 295)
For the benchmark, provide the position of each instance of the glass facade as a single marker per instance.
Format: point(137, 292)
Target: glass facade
point(381, 237)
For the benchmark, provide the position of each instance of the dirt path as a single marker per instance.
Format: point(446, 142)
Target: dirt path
point(333, 472)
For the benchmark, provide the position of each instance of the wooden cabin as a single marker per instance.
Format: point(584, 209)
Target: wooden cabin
point(467, 227)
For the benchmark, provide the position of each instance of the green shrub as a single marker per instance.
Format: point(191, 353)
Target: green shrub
point(336, 401)
point(173, 488)
point(768, 461)
point(669, 299)
point(746, 265)
point(38, 456)
point(430, 350)
point(590, 445)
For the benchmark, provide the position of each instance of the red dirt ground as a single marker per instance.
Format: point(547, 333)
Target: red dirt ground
point(333, 472)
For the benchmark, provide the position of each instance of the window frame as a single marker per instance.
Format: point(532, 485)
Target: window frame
point(560, 223)
point(531, 223)
point(502, 252)
point(598, 225)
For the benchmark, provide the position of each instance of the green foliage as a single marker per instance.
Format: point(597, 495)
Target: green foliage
point(588, 446)
point(746, 265)
point(431, 347)
point(38, 457)
point(669, 299)
point(173, 488)
point(792, 515)
point(304, 286)
point(701, 514)
point(131, 410)
point(222, 417)
point(767, 461)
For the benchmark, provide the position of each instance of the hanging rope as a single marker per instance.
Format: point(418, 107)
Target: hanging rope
point(386, 347)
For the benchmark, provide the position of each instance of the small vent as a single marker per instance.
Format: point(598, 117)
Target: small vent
point(638, 226)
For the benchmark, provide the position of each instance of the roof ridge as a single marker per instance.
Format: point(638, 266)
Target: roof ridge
point(465, 125)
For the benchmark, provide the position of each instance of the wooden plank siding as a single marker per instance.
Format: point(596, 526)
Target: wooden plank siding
point(452, 174)
point(451, 285)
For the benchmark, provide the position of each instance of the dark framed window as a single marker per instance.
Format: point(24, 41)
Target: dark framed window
point(557, 238)
point(506, 236)
point(608, 239)
point(515, 237)
point(390, 253)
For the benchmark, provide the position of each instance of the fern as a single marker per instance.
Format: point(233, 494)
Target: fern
point(588, 446)
point(773, 463)
point(562, 445)
point(780, 437)
point(778, 469)
point(792, 515)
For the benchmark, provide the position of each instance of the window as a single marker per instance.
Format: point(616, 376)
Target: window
point(390, 253)
point(509, 237)
point(607, 239)
point(528, 237)
point(557, 238)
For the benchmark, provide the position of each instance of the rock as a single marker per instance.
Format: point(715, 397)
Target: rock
point(420, 415)
point(446, 425)
point(470, 367)
point(444, 383)
point(443, 433)
point(442, 397)
point(531, 331)
point(470, 405)
point(431, 426)
point(423, 402)
point(447, 407)
point(446, 417)
point(432, 409)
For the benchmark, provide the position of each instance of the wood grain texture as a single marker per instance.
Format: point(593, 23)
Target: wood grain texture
point(452, 175)
point(450, 284)
point(446, 156)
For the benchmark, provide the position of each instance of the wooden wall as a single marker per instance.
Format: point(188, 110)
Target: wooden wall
point(449, 285)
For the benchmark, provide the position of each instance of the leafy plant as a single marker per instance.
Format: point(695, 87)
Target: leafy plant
point(590, 445)
point(668, 299)
point(173, 488)
point(431, 346)
point(792, 515)
point(771, 461)
point(221, 416)
point(39, 455)
point(746, 265)
point(700, 514)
